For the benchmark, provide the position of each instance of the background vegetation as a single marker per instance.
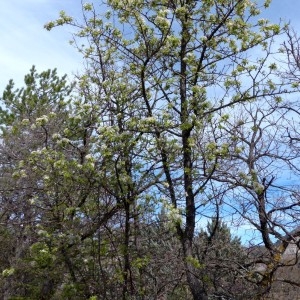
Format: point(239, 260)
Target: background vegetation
point(186, 115)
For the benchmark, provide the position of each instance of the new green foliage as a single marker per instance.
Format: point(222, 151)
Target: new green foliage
point(173, 113)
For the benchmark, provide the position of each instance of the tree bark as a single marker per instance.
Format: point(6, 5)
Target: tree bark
point(196, 288)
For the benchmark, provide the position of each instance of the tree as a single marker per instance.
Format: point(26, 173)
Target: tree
point(52, 200)
point(222, 259)
point(164, 78)
point(71, 202)
point(180, 110)
point(29, 117)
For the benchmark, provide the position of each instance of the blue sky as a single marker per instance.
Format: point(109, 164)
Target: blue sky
point(24, 41)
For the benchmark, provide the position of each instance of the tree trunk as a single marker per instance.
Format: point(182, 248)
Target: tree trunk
point(194, 283)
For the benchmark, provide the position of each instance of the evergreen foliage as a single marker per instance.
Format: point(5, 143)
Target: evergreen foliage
point(180, 117)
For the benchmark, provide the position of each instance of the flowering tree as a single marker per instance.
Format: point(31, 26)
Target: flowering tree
point(180, 110)
point(166, 77)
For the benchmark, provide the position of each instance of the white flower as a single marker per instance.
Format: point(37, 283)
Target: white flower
point(87, 6)
point(32, 201)
point(25, 122)
point(166, 184)
point(56, 136)
point(52, 114)
point(8, 272)
point(258, 188)
point(42, 120)
point(46, 177)
point(88, 157)
point(23, 174)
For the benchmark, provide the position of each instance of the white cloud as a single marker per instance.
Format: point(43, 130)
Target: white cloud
point(24, 42)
